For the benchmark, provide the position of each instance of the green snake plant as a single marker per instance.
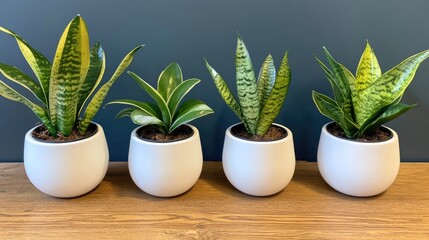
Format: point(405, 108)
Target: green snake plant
point(65, 86)
point(364, 102)
point(259, 101)
point(165, 114)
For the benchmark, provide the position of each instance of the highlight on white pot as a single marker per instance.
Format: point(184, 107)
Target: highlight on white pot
point(360, 169)
point(258, 168)
point(67, 169)
point(165, 169)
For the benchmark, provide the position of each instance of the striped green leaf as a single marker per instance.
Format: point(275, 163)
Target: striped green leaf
point(329, 108)
point(339, 95)
point(148, 108)
point(97, 100)
point(38, 63)
point(17, 76)
point(142, 118)
point(389, 114)
point(368, 70)
point(95, 73)
point(188, 111)
point(159, 100)
point(276, 99)
point(345, 81)
point(388, 88)
point(69, 69)
point(7, 92)
point(266, 79)
point(168, 80)
point(247, 88)
point(181, 90)
point(225, 92)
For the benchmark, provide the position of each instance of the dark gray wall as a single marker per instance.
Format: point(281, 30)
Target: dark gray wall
point(187, 31)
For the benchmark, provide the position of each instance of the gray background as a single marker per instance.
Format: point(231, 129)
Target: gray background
point(188, 30)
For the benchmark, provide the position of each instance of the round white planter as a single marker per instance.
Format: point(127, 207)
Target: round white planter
point(355, 168)
point(258, 168)
point(67, 169)
point(165, 169)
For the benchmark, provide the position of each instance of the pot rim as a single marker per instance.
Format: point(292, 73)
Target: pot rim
point(29, 137)
point(289, 134)
point(150, 142)
point(352, 141)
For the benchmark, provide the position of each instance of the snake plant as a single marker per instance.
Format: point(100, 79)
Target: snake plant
point(259, 102)
point(165, 114)
point(364, 102)
point(64, 86)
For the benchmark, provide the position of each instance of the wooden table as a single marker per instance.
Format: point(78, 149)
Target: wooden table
point(307, 209)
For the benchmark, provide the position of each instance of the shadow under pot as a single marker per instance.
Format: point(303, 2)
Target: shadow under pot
point(357, 168)
point(165, 169)
point(66, 169)
point(258, 168)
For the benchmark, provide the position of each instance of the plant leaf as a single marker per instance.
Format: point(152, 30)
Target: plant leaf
point(69, 70)
point(391, 113)
point(126, 112)
point(7, 92)
point(148, 108)
point(368, 70)
point(38, 63)
point(17, 76)
point(346, 83)
point(336, 89)
point(388, 88)
point(168, 80)
point(181, 90)
point(266, 79)
point(345, 78)
point(188, 111)
point(95, 73)
point(159, 100)
point(224, 91)
point(141, 118)
point(97, 100)
point(330, 109)
point(276, 99)
point(246, 87)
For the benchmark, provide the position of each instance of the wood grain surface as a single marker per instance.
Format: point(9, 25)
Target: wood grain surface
point(306, 209)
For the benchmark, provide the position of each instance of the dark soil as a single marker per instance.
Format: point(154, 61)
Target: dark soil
point(41, 133)
point(151, 133)
point(274, 133)
point(380, 134)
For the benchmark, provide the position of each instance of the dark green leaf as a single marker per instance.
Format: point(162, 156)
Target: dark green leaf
point(330, 109)
point(159, 100)
point(188, 111)
point(93, 77)
point(148, 108)
point(181, 90)
point(391, 113)
point(168, 80)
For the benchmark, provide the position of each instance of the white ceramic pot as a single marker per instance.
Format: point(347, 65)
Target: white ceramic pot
point(67, 169)
point(258, 168)
point(165, 169)
point(355, 168)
